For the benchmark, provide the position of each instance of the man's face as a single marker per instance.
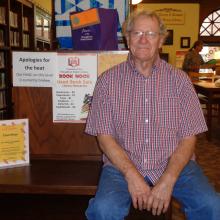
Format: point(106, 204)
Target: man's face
point(144, 40)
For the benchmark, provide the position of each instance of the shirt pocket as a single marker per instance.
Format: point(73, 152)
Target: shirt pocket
point(167, 112)
point(121, 115)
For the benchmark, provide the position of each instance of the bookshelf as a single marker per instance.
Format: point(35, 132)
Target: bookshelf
point(17, 32)
point(21, 24)
point(43, 30)
point(4, 59)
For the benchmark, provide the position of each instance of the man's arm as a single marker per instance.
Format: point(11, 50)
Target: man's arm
point(161, 193)
point(138, 188)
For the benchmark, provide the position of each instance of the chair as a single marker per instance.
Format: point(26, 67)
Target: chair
point(210, 107)
point(215, 105)
point(195, 76)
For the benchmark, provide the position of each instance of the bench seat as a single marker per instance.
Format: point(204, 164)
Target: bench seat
point(52, 177)
point(75, 181)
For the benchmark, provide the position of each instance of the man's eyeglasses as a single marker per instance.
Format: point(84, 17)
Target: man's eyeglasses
point(148, 34)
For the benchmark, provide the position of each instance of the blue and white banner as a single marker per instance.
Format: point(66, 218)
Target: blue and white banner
point(64, 7)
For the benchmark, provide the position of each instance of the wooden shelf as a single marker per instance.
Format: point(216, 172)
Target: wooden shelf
point(43, 30)
point(17, 32)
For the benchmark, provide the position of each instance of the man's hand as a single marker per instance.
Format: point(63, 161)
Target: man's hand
point(139, 190)
point(161, 193)
point(159, 199)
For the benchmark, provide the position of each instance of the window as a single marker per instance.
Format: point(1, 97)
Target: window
point(211, 25)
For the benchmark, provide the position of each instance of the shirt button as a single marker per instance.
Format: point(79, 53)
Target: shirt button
point(146, 100)
point(146, 120)
point(147, 140)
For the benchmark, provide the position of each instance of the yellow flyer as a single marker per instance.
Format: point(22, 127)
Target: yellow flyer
point(14, 143)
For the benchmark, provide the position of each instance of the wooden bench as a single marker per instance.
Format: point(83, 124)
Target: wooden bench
point(50, 182)
point(64, 170)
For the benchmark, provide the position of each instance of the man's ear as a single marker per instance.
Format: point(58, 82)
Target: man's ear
point(127, 41)
point(162, 40)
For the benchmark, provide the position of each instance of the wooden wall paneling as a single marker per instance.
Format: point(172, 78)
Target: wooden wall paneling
point(48, 139)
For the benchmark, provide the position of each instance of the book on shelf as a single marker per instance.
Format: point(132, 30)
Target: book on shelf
point(2, 60)
point(39, 26)
point(25, 23)
point(2, 80)
point(26, 40)
point(2, 42)
point(46, 32)
point(13, 19)
point(2, 99)
point(2, 15)
point(14, 38)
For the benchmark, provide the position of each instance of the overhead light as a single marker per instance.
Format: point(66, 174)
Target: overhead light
point(134, 2)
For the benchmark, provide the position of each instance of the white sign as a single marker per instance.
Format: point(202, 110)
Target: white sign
point(74, 85)
point(34, 69)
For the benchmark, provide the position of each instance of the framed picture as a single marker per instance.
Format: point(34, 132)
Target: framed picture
point(185, 42)
point(164, 56)
point(169, 40)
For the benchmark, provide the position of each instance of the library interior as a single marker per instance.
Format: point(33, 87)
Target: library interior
point(49, 166)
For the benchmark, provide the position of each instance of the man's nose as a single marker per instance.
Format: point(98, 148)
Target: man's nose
point(144, 37)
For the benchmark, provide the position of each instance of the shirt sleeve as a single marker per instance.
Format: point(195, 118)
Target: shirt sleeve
point(192, 119)
point(99, 120)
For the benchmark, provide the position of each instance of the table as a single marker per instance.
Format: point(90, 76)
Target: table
point(212, 96)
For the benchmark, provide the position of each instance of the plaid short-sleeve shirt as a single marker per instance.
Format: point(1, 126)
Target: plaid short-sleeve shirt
point(148, 116)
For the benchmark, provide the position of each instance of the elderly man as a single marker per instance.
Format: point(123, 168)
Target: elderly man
point(146, 115)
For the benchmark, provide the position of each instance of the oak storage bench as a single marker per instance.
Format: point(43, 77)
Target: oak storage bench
point(64, 168)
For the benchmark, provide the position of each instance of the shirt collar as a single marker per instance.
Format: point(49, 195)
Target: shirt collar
point(131, 64)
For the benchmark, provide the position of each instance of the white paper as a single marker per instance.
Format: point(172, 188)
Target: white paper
point(14, 143)
point(74, 85)
point(34, 69)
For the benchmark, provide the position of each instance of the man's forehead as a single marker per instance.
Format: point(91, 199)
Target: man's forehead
point(145, 19)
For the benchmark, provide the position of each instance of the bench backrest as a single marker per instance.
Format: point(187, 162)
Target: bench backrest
point(47, 139)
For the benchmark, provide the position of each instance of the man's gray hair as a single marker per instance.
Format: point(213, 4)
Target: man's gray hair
point(129, 23)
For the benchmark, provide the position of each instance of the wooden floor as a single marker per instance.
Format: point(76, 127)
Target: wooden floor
point(208, 156)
